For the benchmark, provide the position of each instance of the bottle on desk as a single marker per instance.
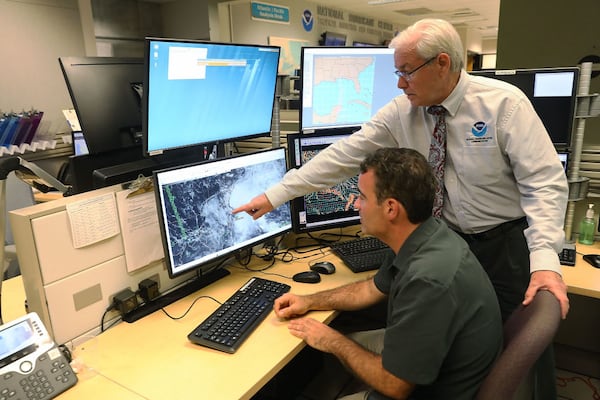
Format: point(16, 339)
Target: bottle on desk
point(587, 228)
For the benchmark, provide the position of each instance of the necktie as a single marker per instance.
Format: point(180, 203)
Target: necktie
point(437, 156)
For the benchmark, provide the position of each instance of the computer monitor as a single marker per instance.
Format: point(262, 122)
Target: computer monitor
point(332, 39)
point(343, 87)
point(79, 145)
point(363, 44)
point(199, 92)
point(552, 92)
point(324, 209)
point(106, 95)
point(195, 204)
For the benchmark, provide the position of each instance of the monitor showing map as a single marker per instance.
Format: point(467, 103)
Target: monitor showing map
point(328, 208)
point(343, 87)
point(195, 203)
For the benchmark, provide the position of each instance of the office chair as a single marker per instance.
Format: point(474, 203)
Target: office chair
point(527, 333)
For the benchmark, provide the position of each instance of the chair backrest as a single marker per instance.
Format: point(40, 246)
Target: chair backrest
point(527, 333)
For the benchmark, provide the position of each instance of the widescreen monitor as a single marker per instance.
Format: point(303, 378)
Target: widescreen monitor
point(552, 92)
point(343, 87)
point(328, 208)
point(106, 93)
point(199, 92)
point(195, 204)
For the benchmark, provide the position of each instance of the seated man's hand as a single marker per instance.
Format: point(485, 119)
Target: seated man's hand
point(257, 207)
point(290, 306)
point(315, 333)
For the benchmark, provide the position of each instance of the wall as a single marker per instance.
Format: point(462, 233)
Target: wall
point(35, 33)
point(240, 27)
point(561, 35)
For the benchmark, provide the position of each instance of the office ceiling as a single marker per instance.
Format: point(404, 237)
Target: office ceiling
point(481, 15)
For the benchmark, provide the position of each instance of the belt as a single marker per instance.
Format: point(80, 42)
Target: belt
point(494, 232)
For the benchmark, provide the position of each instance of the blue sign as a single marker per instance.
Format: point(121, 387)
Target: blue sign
point(270, 13)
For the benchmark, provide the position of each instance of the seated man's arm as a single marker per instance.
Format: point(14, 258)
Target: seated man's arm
point(366, 365)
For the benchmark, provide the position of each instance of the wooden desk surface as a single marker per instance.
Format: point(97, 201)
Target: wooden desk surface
point(153, 358)
point(583, 279)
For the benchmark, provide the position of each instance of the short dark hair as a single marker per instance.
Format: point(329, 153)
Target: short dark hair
point(404, 175)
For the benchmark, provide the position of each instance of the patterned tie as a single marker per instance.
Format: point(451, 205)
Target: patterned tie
point(437, 156)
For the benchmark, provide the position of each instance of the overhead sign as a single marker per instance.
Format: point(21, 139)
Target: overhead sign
point(270, 13)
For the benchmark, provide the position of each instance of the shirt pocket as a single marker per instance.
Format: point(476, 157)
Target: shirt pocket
point(482, 166)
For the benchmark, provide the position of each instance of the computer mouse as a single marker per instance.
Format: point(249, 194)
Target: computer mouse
point(323, 267)
point(307, 277)
point(593, 259)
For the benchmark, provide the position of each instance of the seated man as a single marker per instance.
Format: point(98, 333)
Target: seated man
point(444, 328)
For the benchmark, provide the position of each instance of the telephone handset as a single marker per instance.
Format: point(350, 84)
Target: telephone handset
point(31, 364)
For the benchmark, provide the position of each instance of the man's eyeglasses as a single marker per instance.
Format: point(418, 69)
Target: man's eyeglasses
point(409, 75)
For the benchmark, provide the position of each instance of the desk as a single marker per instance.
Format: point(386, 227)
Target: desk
point(583, 279)
point(153, 359)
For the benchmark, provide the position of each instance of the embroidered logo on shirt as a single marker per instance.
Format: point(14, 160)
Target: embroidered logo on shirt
point(479, 129)
point(480, 134)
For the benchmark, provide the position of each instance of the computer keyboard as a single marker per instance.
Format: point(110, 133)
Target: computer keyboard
point(362, 254)
point(232, 323)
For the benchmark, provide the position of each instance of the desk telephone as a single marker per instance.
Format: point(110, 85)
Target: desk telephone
point(31, 364)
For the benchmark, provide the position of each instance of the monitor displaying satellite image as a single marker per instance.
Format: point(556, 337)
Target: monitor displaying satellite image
point(196, 204)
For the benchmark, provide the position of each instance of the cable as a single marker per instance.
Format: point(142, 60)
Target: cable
point(190, 307)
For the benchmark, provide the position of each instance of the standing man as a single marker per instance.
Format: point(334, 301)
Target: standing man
point(443, 328)
point(503, 187)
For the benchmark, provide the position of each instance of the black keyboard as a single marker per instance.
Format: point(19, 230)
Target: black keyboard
point(228, 327)
point(362, 254)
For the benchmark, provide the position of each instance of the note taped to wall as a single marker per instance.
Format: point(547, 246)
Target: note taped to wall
point(93, 220)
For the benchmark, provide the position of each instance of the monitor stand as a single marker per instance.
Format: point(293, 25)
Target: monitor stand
point(179, 293)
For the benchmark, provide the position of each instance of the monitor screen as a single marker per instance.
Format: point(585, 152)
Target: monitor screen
point(552, 92)
point(332, 39)
point(195, 204)
point(79, 145)
point(106, 94)
point(343, 87)
point(328, 208)
point(199, 92)
point(363, 44)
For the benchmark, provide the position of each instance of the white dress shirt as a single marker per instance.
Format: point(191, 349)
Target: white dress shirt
point(500, 162)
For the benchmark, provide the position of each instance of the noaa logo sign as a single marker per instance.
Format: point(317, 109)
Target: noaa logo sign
point(307, 20)
point(479, 129)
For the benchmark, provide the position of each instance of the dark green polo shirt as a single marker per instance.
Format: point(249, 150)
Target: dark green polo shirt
point(444, 328)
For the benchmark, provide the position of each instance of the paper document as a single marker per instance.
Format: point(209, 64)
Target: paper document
point(139, 225)
point(93, 220)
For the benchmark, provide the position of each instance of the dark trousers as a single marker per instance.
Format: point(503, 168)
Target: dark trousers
point(504, 254)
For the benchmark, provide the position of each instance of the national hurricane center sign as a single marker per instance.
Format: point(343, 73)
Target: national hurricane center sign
point(270, 13)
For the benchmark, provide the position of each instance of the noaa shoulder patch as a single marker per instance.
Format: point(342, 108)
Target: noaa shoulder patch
point(479, 129)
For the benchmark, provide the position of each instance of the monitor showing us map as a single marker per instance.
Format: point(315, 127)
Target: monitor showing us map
point(195, 203)
point(324, 209)
point(343, 87)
